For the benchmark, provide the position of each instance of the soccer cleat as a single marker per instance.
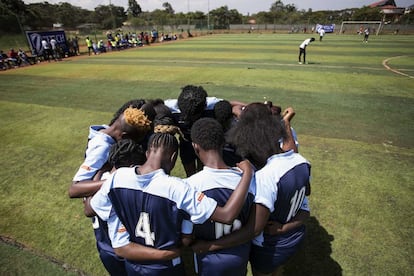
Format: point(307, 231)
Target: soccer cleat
point(299, 62)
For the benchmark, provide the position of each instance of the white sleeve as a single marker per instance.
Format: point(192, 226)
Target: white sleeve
point(96, 156)
point(100, 202)
point(211, 102)
point(266, 191)
point(197, 205)
point(172, 105)
point(117, 232)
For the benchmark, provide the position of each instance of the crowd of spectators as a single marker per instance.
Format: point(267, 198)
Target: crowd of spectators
point(53, 51)
point(14, 59)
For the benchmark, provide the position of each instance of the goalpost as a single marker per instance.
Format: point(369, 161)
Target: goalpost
point(377, 25)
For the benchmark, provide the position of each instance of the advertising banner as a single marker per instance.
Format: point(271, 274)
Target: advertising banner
point(327, 28)
point(35, 40)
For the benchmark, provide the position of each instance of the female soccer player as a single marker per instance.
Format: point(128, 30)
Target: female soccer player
point(145, 206)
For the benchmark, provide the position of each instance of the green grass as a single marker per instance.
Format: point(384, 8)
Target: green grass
point(354, 119)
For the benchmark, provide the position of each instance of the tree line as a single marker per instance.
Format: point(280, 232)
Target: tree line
point(15, 16)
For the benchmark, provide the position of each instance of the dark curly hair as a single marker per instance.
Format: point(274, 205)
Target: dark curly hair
point(191, 102)
point(223, 113)
point(257, 134)
point(163, 115)
point(208, 133)
point(126, 153)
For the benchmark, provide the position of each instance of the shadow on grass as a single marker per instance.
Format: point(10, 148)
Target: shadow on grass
point(314, 258)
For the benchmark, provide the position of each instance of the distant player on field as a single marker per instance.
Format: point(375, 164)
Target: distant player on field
point(366, 35)
point(321, 33)
point(302, 49)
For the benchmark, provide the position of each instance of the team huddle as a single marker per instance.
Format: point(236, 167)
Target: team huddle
point(244, 198)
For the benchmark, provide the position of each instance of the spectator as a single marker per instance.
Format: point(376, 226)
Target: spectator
point(54, 49)
point(14, 58)
point(24, 59)
point(89, 44)
point(46, 49)
point(75, 43)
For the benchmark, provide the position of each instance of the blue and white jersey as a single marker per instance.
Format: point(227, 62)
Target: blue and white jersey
point(280, 187)
point(219, 184)
point(97, 152)
point(96, 155)
point(185, 127)
point(151, 207)
point(295, 138)
point(173, 106)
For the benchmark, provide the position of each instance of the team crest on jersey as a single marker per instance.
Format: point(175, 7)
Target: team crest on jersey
point(121, 229)
point(200, 197)
point(85, 167)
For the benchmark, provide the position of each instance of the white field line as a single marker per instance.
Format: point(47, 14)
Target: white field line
point(385, 64)
point(249, 64)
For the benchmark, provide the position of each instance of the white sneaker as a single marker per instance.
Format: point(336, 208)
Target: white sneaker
point(299, 62)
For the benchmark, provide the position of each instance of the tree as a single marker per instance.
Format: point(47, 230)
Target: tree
point(109, 16)
point(12, 14)
point(134, 9)
point(277, 6)
point(367, 14)
point(168, 8)
point(70, 16)
point(40, 15)
point(223, 17)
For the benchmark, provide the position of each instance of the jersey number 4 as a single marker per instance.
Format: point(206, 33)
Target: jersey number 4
point(143, 229)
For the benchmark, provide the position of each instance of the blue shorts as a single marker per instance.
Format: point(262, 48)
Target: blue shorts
point(112, 263)
point(168, 268)
point(228, 262)
point(266, 259)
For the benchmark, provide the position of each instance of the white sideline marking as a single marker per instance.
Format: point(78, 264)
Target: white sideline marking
point(385, 61)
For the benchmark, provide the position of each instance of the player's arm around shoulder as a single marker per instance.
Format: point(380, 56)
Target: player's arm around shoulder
point(228, 213)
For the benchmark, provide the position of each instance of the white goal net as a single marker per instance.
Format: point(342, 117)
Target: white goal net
point(352, 27)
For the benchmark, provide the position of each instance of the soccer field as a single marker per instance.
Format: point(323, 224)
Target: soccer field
point(354, 106)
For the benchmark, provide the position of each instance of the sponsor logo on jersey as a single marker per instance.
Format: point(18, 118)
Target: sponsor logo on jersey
point(122, 229)
point(85, 167)
point(200, 197)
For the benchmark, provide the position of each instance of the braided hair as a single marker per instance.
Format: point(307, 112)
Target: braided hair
point(164, 121)
point(163, 140)
point(126, 153)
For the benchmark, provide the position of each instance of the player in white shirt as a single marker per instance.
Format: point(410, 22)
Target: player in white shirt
point(130, 123)
point(218, 181)
point(302, 49)
point(321, 33)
